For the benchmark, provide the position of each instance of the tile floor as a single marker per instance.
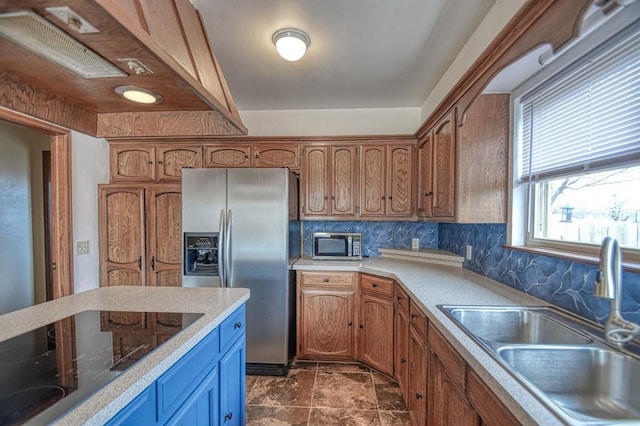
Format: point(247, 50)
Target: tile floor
point(325, 394)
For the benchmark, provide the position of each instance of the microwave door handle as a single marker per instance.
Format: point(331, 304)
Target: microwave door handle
point(221, 244)
point(227, 248)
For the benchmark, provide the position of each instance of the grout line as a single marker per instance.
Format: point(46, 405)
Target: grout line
point(313, 391)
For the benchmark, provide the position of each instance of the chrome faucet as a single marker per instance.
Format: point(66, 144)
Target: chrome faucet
point(608, 285)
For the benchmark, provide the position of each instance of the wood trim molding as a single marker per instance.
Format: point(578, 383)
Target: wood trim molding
point(61, 213)
point(47, 109)
point(293, 140)
point(538, 22)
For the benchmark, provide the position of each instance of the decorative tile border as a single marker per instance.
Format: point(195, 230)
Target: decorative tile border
point(561, 282)
point(376, 234)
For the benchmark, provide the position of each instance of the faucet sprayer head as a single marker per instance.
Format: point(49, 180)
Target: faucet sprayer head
point(607, 275)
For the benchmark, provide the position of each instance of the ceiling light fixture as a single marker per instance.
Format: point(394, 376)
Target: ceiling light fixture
point(138, 94)
point(291, 43)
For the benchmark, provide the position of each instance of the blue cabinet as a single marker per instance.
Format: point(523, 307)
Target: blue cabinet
point(205, 387)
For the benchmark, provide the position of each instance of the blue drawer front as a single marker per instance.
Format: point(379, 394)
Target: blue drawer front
point(140, 411)
point(175, 386)
point(233, 327)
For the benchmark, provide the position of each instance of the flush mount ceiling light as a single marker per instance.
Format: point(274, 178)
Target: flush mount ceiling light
point(138, 94)
point(291, 43)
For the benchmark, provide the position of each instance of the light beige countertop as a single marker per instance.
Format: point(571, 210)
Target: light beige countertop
point(431, 284)
point(215, 303)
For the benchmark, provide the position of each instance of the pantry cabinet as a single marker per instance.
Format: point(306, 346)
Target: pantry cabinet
point(375, 323)
point(326, 314)
point(386, 180)
point(329, 181)
point(135, 162)
point(140, 235)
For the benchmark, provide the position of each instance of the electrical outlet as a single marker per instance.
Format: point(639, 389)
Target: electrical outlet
point(415, 244)
point(82, 247)
point(468, 253)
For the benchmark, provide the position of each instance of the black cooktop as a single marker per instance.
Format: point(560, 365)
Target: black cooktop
point(47, 371)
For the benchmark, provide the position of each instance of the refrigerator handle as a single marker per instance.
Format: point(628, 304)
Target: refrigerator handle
point(221, 244)
point(227, 250)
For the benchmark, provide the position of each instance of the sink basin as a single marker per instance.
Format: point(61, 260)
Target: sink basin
point(515, 325)
point(587, 383)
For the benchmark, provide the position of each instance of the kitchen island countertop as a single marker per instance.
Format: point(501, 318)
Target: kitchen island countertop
point(432, 284)
point(214, 303)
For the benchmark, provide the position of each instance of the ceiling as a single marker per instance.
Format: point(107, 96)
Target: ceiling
point(363, 53)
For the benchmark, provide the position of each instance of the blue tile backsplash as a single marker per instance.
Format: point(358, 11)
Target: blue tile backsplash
point(375, 234)
point(561, 282)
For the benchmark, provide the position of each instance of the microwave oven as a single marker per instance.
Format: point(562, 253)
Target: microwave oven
point(337, 246)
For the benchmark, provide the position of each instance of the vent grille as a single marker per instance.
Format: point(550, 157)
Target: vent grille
point(36, 34)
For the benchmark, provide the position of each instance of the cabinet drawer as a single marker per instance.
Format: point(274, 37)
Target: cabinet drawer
point(233, 327)
point(418, 320)
point(175, 386)
point(371, 283)
point(341, 279)
point(402, 300)
point(453, 363)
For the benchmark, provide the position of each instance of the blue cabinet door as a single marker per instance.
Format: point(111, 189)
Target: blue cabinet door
point(140, 411)
point(201, 408)
point(232, 385)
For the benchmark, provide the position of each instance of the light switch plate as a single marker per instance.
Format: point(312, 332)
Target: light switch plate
point(82, 247)
point(415, 244)
point(468, 253)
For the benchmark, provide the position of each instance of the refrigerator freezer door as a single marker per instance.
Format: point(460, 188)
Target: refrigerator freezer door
point(203, 196)
point(259, 247)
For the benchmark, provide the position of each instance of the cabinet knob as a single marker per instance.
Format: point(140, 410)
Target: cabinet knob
point(413, 315)
point(428, 194)
point(390, 197)
point(403, 361)
point(374, 285)
point(350, 323)
point(228, 416)
point(325, 197)
point(361, 326)
point(418, 396)
point(333, 197)
point(149, 162)
point(237, 325)
point(383, 197)
point(399, 298)
point(160, 162)
point(326, 280)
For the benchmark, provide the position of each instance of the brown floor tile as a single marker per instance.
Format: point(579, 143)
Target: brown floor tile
point(249, 382)
point(344, 390)
point(388, 394)
point(294, 390)
point(303, 365)
point(344, 417)
point(343, 367)
point(260, 415)
point(395, 418)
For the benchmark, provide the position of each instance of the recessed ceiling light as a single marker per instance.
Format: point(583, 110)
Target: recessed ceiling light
point(291, 43)
point(138, 94)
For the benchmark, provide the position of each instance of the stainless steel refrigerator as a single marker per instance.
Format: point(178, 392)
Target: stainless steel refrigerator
point(249, 211)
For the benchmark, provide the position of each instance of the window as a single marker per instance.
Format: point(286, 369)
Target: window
point(579, 152)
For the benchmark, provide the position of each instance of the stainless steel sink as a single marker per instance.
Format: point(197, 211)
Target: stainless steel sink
point(562, 359)
point(515, 326)
point(586, 382)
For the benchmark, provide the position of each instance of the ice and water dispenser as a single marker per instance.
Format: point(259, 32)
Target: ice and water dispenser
point(201, 254)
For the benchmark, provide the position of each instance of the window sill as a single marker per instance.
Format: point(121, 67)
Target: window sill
point(576, 257)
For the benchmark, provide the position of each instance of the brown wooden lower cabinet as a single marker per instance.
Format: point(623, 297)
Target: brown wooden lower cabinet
point(401, 343)
point(418, 378)
point(447, 402)
point(375, 323)
point(491, 410)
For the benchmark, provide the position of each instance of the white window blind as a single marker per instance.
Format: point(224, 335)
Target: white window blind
point(585, 119)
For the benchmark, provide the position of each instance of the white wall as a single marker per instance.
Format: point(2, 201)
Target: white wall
point(332, 122)
point(22, 280)
point(499, 15)
point(90, 166)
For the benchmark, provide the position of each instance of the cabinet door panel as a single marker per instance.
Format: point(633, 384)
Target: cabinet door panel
point(316, 182)
point(444, 168)
point(170, 161)
point(276, 156)
point(372, 181)
point(400, 176)
point(164, 252)
point(227, 156)
point(132, 164)
point(425, 178)
point(447, 404)
point(402, 353)
point(343, 181)
point(375, 341)
point(232, 385)
point(122, 235)
point(201, 409)
point(326, 326)
point(418, 373)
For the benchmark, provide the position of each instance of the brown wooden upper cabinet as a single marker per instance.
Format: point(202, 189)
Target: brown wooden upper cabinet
point(329, 181)
point(386, 180)
point(147, 163)
point(280, 155)
point(462, 171)
point(227, 155)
